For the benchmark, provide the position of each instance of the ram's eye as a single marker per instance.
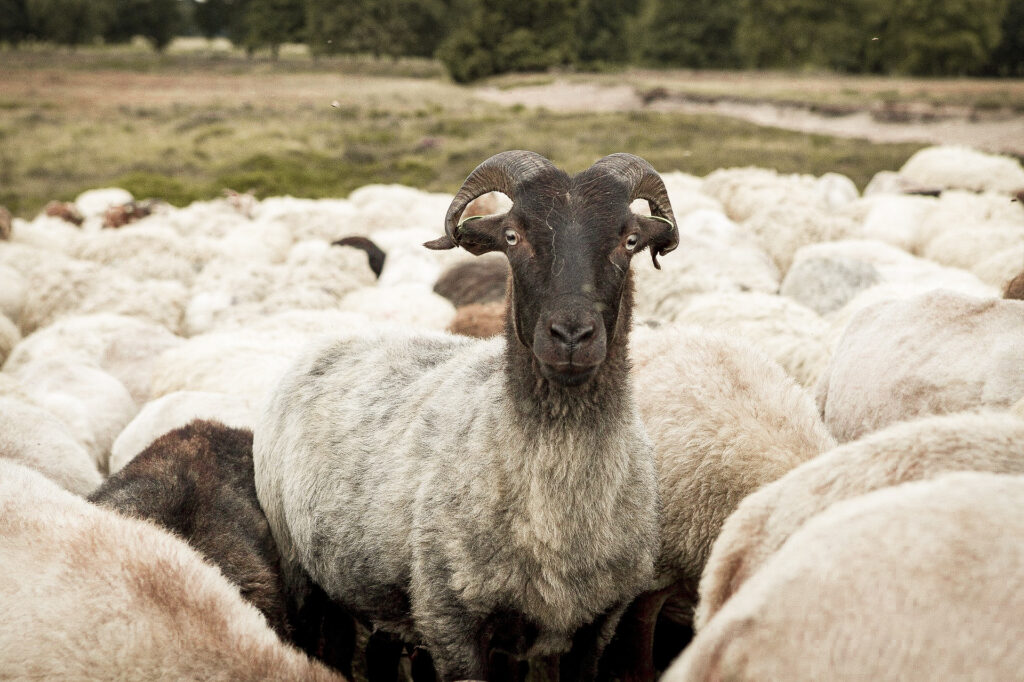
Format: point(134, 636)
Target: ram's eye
point(511, 237)
point(631, 242)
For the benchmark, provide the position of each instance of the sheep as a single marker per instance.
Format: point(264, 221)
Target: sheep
point(1015, 288)
point(716, 255)
point(746, 191)
point(725, 420)
point(907, 451)
point(93, 405)
point(1001, 267)
point(784, 229)
point(894, 219)
point(789, 333)
point(124, 214)
point(147, 251)
point(197, 482)
point(374, 254)
point(35, 438)
point(523, 515)
point(967, 248)
point(921, 581)
point(936, 353)
point(309, 219)
point(10, 335)
point(12, 294)
point(404, 305)
point(6, 223)
point(408, 262)
point(479, 320)
point(91, 594)
point(94, 203)
point(174, 411)
point(829, 277)
point(125, 347)
point(956, 167)
point(65, 211)
point(482, 280)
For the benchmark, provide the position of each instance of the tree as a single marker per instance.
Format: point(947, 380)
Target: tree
point(270, 23)
point(14, 24)
point(380, 27)
point(602, 27)
point(1007, 58)
point(69, 22)
point(509, 35)
point(801, 33)
point(156, 20)
point(212, 17)
point(697, 34)
point(934, 37)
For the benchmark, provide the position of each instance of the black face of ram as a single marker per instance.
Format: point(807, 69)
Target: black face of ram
point(569, 242)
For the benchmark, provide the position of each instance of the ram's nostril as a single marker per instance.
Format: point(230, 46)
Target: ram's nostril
point(571, 334)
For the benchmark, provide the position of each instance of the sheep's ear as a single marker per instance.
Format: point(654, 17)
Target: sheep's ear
point(659, 235)
point(477, 234)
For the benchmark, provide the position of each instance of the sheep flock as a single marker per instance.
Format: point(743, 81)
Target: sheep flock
point(281, 439)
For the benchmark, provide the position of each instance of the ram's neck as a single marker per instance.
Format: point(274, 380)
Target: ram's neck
point(601, 403)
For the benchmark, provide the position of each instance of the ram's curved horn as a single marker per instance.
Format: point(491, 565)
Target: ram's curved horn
point(643, 182)
point(504, 172)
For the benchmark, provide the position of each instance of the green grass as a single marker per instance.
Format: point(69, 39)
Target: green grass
point(64, 129)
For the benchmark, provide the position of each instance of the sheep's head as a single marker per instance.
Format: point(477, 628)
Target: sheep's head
point(569, 242)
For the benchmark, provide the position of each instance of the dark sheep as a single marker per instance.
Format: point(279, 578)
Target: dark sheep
point(197, 482)
point(479, 320)
point(1015, 288)
point(64, 210)
point(119, 216)
point(373, 252)
point(478, 281)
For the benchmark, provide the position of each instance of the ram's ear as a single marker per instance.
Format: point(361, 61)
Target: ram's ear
point(477, 234)
point(659, 235)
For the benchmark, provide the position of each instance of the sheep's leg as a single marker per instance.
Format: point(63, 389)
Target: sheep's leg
point(383, 652)
point(581, 662)
point(458, 644)
point(630, 655)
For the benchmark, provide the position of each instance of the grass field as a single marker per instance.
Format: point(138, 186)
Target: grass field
point(188, 124)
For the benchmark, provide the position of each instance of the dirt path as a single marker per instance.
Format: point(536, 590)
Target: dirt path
point(992, 132)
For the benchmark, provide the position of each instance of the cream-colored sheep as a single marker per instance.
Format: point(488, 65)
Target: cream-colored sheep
point(123, 346)
point(786, 228)
point(789, 333)
point(955, 167)
point(724, 420)
point(1001, 267)
point(173, 411)
point(89, 594)
point(936, 353)
point(908, 451)
point(92, 404)
point(10, 335)
point(147, 250)
point(404, 305)
point(969, 247)
point(918, 582)
point(31, 436)
point(12, 294)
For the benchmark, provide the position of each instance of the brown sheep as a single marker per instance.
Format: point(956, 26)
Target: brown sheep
point(1015, 288)
point(478, 281)
point(197, 482)
point(64, 210)
point(119, 216)
point(479, 320)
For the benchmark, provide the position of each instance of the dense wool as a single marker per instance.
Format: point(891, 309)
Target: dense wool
point(31, 436)
point(197, 482)
point(483, 280)
point(475, 506)
point(909, 451)
point(937, 353)
point(91, 594)
point(919, 582)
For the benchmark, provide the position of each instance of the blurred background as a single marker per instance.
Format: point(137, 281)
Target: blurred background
point(181, 99)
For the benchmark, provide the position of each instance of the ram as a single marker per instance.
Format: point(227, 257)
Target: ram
point(474, 495)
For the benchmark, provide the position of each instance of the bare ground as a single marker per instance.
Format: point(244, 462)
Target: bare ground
point(996, 131)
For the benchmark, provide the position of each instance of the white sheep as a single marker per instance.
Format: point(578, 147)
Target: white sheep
point(908, 451)
point(124, 347)
point(789, 333)
point(12, 294)
point(31, 436)
point(957, 167)
point(724, 420)
point(93, 203)
point(92, 404)
point(401, 305)
point(936, 353)
point(784, 229)
point(715, 255)
point(919, 582)
point(147, 250)
point(91, 594)
point(1001, 267)
point(746, 191)
point(322, 219)
point(10, 335)
point(173, 411)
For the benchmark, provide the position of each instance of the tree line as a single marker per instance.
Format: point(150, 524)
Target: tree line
point(475, 39)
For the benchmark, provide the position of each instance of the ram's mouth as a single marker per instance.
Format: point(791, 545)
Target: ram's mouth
point(568, 373)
